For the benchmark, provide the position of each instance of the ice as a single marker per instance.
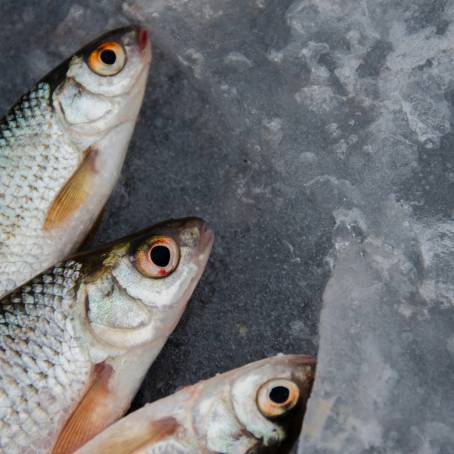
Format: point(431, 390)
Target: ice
point(386, 364)
point(316, 137)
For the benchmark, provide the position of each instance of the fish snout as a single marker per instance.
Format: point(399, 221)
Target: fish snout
point(142, 38)
point(206, 238)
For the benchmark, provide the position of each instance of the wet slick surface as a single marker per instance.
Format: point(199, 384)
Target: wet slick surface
point(310, 134)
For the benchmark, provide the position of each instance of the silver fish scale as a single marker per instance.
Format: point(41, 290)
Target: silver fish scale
point(36, 159)
point(40, 359)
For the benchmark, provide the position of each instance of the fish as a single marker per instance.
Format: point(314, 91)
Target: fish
point(62, 147)
point(257, 408)
point(77, 340)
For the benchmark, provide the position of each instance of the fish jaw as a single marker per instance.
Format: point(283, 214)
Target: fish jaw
point(126, 353)
point(203, 416)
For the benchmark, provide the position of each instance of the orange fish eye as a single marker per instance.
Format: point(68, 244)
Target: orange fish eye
point(107, 59)
point(158, 258)
point(277, 397)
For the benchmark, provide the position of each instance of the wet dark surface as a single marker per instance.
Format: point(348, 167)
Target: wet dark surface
point(315, 137)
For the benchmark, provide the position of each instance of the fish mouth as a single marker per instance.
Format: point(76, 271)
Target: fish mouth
point(301, 360)
point(144, 44)
point(304, 367)
point(202, 249)
point(201, 255)
point(206, 239)
point(142, 38)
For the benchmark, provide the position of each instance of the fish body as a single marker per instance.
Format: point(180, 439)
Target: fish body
point(77, 340)
point(255, 409)
point(62, 147)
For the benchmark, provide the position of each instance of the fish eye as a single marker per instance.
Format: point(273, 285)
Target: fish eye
point(107, 59)
point(279, 394)
point(277, 397)
point(158, 258)
point(108, 56)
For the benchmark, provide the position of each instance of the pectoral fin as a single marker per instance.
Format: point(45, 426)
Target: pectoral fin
point(74, 193)
point(129, 438)
point(92, 414)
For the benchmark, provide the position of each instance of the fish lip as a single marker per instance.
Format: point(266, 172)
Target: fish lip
point(309, 363)
point(302, 360)
point(206, 238)
point(142, 38)
point(201, 252)
point(206, 234)
point(204, 246)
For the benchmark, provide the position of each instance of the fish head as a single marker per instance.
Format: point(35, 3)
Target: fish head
point(101, 86)
point(255, 409)
point(135, 290)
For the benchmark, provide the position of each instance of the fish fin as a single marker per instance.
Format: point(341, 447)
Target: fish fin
point(91, 414)
point(74, 192)
point(133, 439)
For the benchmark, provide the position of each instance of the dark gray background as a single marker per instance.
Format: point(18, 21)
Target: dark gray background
point(316, 138)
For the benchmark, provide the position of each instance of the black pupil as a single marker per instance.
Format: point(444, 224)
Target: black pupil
point(160, 256)
point(108, 57)
point(279, 394)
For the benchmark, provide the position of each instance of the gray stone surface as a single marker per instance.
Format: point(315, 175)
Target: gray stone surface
point(316, 137)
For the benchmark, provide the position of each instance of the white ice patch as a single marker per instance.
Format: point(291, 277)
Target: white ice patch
point(437, 248)
point(319, 99)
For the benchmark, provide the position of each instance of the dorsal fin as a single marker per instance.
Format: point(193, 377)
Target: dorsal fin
point(74, 192)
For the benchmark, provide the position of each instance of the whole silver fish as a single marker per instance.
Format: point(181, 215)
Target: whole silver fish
point(255, 409)
point(76, 341)
point(62, 147)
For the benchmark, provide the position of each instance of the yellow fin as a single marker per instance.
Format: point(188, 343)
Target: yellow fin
point(92, 414)
point(131, 440)
point(74, 192)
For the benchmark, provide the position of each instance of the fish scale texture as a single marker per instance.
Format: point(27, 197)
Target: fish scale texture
point(40, 359)
point(36, 159)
